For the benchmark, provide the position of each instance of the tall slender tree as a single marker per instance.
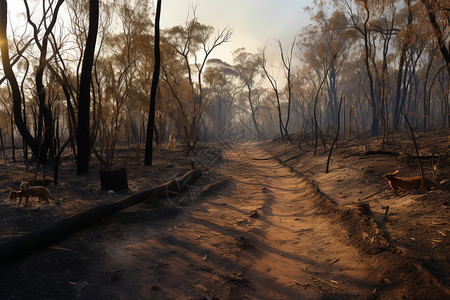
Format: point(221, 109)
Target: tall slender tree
point(247, 66)
point(10, 76)
point(151, 113)
point(84, 98)
point(434, 9)
point(45, 123)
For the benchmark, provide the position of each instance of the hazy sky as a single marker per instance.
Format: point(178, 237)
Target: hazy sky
point(254, 21)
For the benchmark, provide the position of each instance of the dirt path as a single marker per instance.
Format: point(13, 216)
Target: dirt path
point(256, 236)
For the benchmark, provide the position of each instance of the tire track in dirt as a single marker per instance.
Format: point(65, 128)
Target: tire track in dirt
point(299, 246)
point(258, 236)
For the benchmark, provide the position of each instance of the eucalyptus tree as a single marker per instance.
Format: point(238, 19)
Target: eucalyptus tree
point(413, 41)
point(274, 83)
point(40, 143)
point(193, 43)
point(324, 49)
point(155, 81)
point(248, 68)
point(117, 84)
point(439, 17)
point(361, 16)
point(221, 92)
point(45, 123)
point(6, 119)
point(286, 61)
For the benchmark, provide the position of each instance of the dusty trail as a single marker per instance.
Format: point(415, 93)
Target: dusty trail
point(258, 236)
point(260, 233)
point(300, 252)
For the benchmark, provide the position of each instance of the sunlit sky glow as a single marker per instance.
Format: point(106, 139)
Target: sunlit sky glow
point(254, 22)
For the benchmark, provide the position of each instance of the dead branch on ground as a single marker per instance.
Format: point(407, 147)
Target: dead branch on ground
point(33, 241)
point(417, 151)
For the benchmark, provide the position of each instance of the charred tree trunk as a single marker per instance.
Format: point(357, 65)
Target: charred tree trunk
point(417, 151)
point(287, 66)
point(45, 126)
point(13, 145)
point(151, 113)
point(3, 147)
point(426, 100)
point(9, 74)
point(24, 112)
point(274, 85)
point(83, 141)
point(432, 7)
point(401, 69)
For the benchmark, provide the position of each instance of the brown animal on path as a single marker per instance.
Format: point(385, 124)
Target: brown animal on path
point(407, 183)
point(14, 194)
point(28, 191)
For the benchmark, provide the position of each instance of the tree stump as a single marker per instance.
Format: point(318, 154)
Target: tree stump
point(115, 180)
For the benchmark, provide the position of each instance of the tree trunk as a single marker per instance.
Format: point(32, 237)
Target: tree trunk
point(258, 133)
point(83, 140)
point(426, 99)
point(115, 180)
point(13, 145)
point(3, 147)
point(49, 235)
point(9, 74)
point(439, 35)
point(151, 112)
point(336, 137)
point(375, 123)
point(398, 88)
point(373, 98)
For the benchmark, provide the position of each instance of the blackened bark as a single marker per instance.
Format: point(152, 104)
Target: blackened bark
point(155, 80)
point(9, 74)
point(432, 8)
point(398, 109)
point(13, 145)
point(45, 124)
point(83, 139)
point(3, 147)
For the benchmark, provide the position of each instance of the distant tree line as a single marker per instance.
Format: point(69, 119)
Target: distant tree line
point(78, 76)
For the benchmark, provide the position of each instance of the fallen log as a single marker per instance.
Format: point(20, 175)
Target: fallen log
point(46, 236)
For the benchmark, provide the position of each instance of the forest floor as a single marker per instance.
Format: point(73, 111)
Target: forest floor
point(264, 222)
